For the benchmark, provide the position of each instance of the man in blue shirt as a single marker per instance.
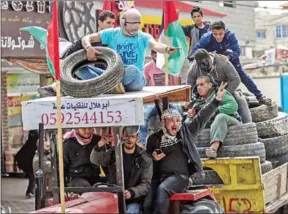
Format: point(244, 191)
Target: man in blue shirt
point(224, 42)
point(131, 44)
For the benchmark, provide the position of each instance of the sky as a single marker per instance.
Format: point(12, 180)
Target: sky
point(271, 3)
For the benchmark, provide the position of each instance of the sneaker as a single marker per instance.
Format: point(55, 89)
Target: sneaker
point(47, 91)
point(30, 195)
point(211, 153)
point(265, 101)
point(119, 89)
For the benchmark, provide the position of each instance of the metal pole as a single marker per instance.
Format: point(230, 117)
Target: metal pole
point(119, 169)
point(40, 175)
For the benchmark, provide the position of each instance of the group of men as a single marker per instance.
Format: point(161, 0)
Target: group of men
point(151, 176)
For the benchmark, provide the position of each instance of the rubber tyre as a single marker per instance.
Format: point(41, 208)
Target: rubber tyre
point(237, 135)
point(266, 167)
point(247, 150)
point(92, 87)
point(264, 112)
point(279, 160)
point(276, 146)
point(202, 206)
point(274, 127)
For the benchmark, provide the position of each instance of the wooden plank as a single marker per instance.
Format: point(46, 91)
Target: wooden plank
point(274, 206)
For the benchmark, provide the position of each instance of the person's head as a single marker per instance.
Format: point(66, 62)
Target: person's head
point(106, 19)
point(84, 132)
point(171, 120)
point(203, 59)
point(47, 147)
point(129, 137)
point(153, 55)
point(197, 15)
point(130, 22)
point(203, 84)
point(218, 30)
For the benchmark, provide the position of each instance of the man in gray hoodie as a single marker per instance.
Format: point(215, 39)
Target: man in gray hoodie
point(210, 64)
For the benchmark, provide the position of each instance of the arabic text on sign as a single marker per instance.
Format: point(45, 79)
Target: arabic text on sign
point(75, 118)
point(9, 42)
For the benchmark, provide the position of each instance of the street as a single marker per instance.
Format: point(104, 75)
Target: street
point(13, 195)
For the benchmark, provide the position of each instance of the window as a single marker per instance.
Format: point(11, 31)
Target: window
point(243, 51)
point(260, 34)
point(227, 4)
point(281, 31)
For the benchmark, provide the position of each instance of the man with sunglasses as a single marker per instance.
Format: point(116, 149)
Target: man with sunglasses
point(131, 43)
point(138, 168)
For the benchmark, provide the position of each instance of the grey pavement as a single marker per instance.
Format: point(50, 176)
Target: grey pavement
point(13, 195)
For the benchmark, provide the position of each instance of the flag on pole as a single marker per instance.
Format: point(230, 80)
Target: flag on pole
point(172, 29)
point(53, 41)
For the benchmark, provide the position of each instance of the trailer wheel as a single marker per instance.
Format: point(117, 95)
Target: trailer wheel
point(237, 135)
point(276, 146)
point(264, 112)
point(202, 206)
point(247, 150)
point(274, 127)
point(74, 87)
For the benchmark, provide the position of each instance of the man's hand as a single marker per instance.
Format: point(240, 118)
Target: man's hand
point(191, 112)
point(102, 142)
point(92, 53)
point(158, 157)
point(223, 57)
point(221, 91)
point(186, 104)
point(127, 194)
point(171, 50)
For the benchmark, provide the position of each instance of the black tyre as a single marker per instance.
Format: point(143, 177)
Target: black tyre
point(264, 112)
point(202, 206)
point(247, 150)
point(279, 160)
point(237, 135)
point(274, 127)
point(276, 146)
point(211, 177)
point(95, 86)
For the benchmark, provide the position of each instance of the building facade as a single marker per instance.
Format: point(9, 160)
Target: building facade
point(271, 29)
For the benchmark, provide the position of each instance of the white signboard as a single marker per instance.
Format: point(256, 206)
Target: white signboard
point(92, 112)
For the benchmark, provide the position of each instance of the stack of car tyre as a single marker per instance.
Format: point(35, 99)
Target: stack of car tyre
point(272, 127)
point(266, 137)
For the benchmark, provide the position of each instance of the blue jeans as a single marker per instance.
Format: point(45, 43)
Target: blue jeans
point(89, 72)
point(133, 208)
point(246, 80)
point(150, 111)
point(133, 79)
point(170, 185)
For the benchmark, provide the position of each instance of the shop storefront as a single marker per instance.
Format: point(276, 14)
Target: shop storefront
point(23, 68)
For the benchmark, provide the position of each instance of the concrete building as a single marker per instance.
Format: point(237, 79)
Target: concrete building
point(271, 29)
point(239, 18)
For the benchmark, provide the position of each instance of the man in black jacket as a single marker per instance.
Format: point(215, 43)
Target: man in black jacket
point(138, 167)
point(174, 153)
point(78, 169)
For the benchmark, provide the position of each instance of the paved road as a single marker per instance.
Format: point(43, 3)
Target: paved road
point(13, 195)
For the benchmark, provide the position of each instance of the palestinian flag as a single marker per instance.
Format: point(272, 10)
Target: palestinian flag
point(49, 40)
point(172, 29)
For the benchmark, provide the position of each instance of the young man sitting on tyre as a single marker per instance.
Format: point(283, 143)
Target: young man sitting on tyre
point(106, 20)
point(138, 167)
point(131, 44)
point(174, 153)
point(226, 114)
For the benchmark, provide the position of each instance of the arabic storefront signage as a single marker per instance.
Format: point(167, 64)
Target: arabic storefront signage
point(94, 112)
point(18, 14)
point(23, 82)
